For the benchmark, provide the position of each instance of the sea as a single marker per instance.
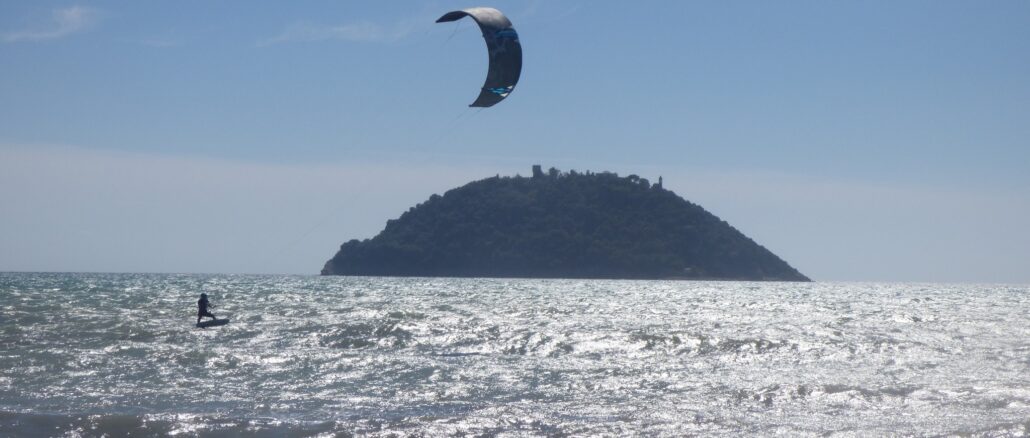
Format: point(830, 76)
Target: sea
point(85, 355)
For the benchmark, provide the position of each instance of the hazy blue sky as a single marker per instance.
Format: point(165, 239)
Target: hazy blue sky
point(874, 140)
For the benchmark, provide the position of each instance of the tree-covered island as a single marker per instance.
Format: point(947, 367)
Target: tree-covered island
point(561, 225)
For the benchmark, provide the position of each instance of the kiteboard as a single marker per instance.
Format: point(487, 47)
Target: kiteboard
point(213, 323)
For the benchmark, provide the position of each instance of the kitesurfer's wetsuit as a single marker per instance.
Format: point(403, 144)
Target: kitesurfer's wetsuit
point(202, 311)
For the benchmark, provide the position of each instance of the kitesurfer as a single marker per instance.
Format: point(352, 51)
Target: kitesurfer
point(202, 311)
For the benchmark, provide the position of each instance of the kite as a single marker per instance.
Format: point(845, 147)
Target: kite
point(502, 43)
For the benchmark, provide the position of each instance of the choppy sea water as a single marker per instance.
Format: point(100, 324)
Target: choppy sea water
point(117, 354)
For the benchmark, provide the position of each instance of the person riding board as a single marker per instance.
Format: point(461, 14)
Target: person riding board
point(203, 304)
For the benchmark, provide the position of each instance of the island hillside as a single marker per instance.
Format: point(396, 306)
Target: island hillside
point(560, 225)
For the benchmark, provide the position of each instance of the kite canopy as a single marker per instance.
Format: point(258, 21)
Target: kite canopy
point(502, 43)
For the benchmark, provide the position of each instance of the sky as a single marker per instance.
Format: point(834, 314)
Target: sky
point(859, 141)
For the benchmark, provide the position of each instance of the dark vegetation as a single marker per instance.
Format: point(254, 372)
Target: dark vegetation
point(560, 225)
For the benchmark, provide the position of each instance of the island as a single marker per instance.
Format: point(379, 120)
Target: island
point(561, 225)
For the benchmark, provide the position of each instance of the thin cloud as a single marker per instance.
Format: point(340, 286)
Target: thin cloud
point(63, 22)
point(161, 42)
point(359, 32)
point(538, 12)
